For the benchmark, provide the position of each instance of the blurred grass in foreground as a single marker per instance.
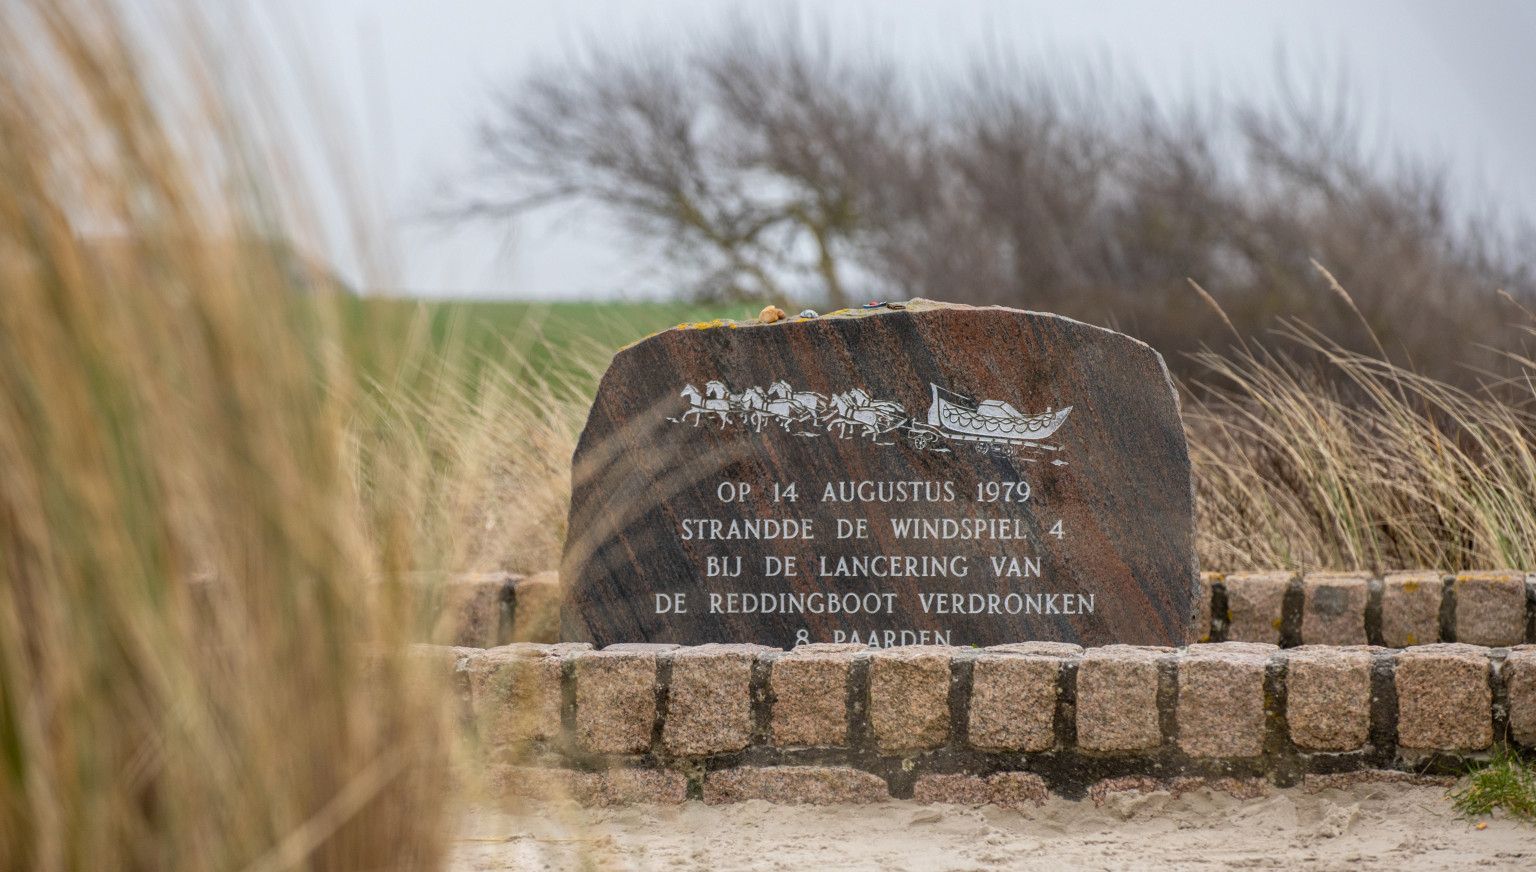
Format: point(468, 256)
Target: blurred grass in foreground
point(202, 626)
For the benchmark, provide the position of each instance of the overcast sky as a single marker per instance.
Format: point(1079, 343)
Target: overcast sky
point(410, 77)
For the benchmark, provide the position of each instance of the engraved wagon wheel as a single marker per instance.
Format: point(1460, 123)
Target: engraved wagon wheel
point(920, 437)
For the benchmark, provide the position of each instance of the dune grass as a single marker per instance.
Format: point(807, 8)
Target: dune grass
point(1305, 456)
point(202, 626)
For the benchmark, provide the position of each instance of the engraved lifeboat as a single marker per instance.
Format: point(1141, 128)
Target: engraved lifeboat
point(990, 420)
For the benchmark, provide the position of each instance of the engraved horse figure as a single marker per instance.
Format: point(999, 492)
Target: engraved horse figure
point(854, 410)
point(699, 406)
point(790, 407)
point(753, 405)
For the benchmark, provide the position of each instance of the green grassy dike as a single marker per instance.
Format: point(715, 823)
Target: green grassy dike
point(558, 342)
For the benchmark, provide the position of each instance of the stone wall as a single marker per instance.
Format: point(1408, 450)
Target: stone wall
point(1394, 610)
point(1008, 724)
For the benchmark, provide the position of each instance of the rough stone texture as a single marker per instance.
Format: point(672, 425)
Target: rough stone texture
point(536, 608)
point(471, 609)
point(1490, 608)
point(1237, 788)
point(909, 697)
point(630, 786)
point(1016, 789)
point(1121, 491)
point(615, 700)
point(1520, 680)
point(953, 789)
point(1333, 610)
point(1328, 697)
point(1221, 699)
point(1200, 625)
point(1348, 780)
point(1006, 789)
point(814, 785)
point(1410, 608)
point(809, 687)
point(709, 703)
point(515, 692)
point(1117, 698)
point(1444, 702)
point(1013, 700)
point(606, 788)
point(1254, 601)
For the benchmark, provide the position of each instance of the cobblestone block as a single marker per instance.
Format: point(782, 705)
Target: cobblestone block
point(1444, 702)
point(616, 699)
point(1013, 700)
point(1221, 699)
point(813, 785)
point(809, 686)
point(1254, 603)
point(909, 697)
point(1490, 608)
point(1410, 608)
point(709, 702)
point(1333, 610)
point(1117, 698)
point(1328, 697)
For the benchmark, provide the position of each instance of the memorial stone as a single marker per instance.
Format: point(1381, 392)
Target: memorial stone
point(918, 473)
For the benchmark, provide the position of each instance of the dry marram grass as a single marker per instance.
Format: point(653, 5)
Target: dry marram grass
point(191, 587)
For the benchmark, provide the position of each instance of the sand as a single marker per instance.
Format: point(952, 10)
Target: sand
point(1365, 827)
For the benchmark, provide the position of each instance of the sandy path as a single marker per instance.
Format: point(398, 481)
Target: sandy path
point(1369, 827)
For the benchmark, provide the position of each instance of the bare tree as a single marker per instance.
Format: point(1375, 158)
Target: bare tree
point(746, 160)
point(766, 165)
